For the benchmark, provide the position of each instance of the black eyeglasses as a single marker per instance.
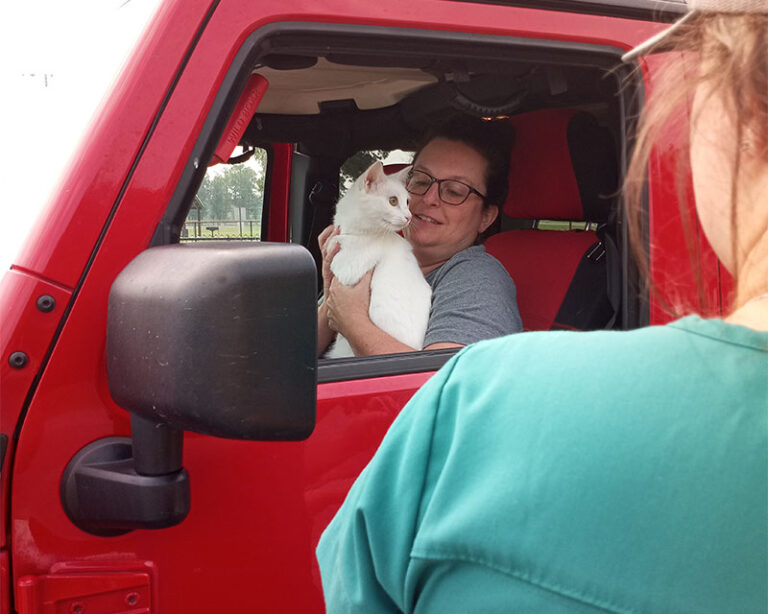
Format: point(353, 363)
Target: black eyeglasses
point(451, 191)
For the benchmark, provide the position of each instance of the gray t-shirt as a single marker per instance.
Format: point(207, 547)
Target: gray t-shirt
point(473, 298)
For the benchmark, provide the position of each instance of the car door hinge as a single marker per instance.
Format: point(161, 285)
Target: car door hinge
point(85, 592)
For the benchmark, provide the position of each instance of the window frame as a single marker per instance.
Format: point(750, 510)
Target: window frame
point(303, 37)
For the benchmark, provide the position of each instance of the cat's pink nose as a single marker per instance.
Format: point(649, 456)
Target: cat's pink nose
point(408, 217)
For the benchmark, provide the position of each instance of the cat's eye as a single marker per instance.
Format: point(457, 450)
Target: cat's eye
point(393, 201)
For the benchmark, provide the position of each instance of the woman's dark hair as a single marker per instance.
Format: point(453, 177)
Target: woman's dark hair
point(491, 139)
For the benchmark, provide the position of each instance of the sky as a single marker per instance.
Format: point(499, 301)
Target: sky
point(57, 61)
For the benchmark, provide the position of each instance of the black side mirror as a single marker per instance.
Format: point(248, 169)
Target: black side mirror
point(219, 339)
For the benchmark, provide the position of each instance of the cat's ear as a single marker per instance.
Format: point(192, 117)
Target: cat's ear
point(374, 174)
point(402, 175)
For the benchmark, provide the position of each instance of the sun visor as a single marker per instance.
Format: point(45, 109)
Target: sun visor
point(241, 117)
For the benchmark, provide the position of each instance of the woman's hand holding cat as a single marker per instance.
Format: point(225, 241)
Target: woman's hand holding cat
point(324, 334)
point(347, 306)
point(322, 240)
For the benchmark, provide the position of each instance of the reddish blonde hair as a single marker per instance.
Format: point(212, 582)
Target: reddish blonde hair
point(728, 53)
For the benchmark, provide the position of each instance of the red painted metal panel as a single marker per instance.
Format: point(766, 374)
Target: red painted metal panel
point(81, 593)
point(106, 587)
point(5, 583)
point(68, 229)
point(26, 329)
point(279, 192)
point(257, 508)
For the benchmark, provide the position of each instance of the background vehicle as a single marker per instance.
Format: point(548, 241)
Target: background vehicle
point(311, 87)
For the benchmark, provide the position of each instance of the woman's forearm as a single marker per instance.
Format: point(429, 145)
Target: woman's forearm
point(367, 339)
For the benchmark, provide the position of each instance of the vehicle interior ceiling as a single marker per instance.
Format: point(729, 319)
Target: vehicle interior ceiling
point(334, 106)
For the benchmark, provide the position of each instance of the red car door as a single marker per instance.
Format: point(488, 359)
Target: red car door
point(257, 508)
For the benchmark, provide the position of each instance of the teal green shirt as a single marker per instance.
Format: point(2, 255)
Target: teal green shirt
point(569, 472)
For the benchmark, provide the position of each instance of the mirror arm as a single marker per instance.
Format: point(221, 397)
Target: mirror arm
point(156, 447)
point(117, 484)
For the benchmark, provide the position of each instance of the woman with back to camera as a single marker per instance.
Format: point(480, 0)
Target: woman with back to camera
point(457, 185)
point(635, 481)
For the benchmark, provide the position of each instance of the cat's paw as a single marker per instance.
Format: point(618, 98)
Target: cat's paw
point(347, 270)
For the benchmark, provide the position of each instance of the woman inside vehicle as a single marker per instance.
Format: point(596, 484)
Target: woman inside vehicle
point(457, 185)
point(613, 471)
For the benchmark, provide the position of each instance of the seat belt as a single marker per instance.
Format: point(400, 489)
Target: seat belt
point(612, 274)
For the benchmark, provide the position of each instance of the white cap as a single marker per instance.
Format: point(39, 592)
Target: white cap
point(696, 7)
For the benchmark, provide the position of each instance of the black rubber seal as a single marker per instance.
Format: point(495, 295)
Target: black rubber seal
point(665, 11)
point(3, 448)
point(344, 369)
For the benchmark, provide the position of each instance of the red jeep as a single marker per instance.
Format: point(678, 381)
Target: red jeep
point(169, 299)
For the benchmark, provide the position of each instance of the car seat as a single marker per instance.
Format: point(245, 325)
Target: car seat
point(563, 174)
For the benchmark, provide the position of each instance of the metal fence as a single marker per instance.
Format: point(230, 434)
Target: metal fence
point(221, 230)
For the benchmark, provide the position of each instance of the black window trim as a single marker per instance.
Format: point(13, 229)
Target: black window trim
point(648, 10)
point(364, 367)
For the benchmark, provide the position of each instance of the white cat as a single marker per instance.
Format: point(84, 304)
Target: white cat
point(370, 214)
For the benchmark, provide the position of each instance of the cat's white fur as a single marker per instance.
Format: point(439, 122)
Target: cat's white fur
point(370, 214)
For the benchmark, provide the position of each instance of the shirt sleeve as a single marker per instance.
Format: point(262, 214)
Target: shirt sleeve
point(364, 554)
point(474, 299)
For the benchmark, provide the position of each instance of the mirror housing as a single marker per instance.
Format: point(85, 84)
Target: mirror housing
point(219, 339)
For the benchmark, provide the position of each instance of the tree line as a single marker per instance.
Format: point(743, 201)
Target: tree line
point(240, 186)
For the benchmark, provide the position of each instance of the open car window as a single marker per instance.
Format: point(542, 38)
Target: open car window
point(354, 95)
point(230, 201)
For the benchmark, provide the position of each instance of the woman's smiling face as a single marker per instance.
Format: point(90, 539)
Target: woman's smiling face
point(438, 231)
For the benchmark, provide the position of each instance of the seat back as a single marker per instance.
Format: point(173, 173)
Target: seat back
point(395, 167)
point(563, 167)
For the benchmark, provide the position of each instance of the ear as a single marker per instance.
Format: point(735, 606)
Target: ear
point(402, 175)
point(373, 175)
point(487, 216)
